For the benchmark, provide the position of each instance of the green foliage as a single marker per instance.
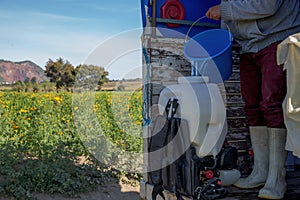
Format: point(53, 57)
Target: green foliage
point(90, 77)
point(122, 122)
point(60, 72)
point(41, 147)
point(63, 74)
point(22, 177)
point(19, 86)
point(47, 86)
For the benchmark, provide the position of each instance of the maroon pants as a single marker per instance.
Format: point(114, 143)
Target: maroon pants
point(263, 87)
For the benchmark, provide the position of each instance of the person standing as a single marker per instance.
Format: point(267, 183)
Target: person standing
point(258, 27)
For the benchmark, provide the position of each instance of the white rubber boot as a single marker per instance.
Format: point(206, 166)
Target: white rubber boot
point(258, 176)
point(276, 186)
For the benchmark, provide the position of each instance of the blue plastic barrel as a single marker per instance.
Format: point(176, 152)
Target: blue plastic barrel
point(144, 4)
point(211, 48)
point(194, 9)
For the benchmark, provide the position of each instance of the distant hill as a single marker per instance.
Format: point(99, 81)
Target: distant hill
point(11, 72)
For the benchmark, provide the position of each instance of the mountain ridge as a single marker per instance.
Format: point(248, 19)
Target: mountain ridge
point(11, 72)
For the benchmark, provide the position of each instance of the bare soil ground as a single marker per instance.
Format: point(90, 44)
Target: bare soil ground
point(114, 190)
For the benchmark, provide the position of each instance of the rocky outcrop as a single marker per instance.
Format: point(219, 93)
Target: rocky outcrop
point(11, 72)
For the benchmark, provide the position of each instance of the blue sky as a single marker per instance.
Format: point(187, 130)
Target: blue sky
point(37, 30)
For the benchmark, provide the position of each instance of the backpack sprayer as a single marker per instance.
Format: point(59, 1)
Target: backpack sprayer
point(188, 153)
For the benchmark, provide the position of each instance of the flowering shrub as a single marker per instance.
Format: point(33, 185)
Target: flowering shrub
point(40, 146)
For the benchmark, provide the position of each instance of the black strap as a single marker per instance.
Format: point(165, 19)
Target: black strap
point(178, 196)
point(158, 190)
point(168, 128)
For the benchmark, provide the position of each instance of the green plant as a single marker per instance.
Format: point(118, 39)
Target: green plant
point(41, 147)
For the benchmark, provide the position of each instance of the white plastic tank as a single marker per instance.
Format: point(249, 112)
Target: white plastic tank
point(202, 105)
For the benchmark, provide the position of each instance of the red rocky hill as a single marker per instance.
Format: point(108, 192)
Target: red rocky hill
point(11, 72)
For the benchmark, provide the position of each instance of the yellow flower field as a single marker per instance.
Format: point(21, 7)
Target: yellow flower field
point(43, 126)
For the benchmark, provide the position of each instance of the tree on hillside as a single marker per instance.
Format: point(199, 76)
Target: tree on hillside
point(60, 72)
point(33, 80)
point(90, 77)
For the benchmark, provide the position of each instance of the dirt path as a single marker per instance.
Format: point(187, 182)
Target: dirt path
point(112, 191)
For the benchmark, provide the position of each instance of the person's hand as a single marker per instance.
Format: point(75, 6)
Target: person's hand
point(214, 13)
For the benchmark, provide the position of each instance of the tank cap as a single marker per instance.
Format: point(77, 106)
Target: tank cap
point(173, 9)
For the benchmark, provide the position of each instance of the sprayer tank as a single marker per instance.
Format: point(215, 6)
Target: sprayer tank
point(201, 104)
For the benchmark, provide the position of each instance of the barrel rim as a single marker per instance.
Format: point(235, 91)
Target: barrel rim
point(213, 56)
